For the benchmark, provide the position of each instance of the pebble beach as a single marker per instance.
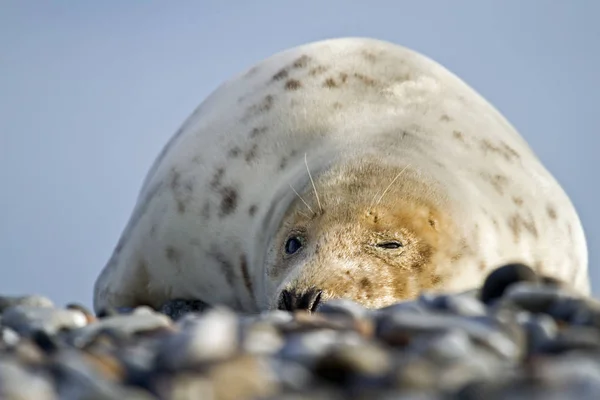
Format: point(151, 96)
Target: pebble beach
point(518, 336)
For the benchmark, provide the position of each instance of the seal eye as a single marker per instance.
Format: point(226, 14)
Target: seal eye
point(390, 245)
point(292, 245)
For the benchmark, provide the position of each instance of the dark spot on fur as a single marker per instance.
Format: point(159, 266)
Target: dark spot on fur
point(435, 280)
point(365, 283)
point(226, 266)
point(282, 74)
point(445, 118)
point(364, 79)
point(234, 152)
point(252, 210)
point(301, 61)
point(251, 72)
point(458, 135)
point(432, 223)
point(502, 149)
point(229, 197)
point(293, 84)
point(283, 163)
point(246, 275)
point(347, 272)
point(369, 56)
point(174, 181)
point(499, 182)
point(180, 206)
point(217, 178)
point(172, 254)
point(330, 83)
point(265, 105)
point(517, 224)
point(120, 245)
point(251, 154)
point(495, 222)
point(318, 70)
point(551, 211)
point(482, 265)
point(337, 105)
point(518, 200)
point(456, 256)
point(258, 131)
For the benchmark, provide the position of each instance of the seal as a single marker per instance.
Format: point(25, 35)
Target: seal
point(346, 168)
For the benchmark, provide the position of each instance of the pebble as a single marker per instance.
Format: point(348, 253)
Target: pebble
point(518, 336)
point(32, 301)
point(26, 319)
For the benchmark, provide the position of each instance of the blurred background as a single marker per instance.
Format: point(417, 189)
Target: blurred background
point(91, 91)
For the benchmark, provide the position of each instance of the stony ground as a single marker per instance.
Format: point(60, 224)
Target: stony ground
point(518, 337)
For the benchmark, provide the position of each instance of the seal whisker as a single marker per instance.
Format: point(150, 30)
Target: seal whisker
point(391, 183)
point(313, 184)
point(373, 201)
point(300, 197)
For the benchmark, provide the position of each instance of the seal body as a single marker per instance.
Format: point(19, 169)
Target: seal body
point(354, 167)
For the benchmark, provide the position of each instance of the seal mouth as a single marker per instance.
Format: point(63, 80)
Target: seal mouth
point(292, 300)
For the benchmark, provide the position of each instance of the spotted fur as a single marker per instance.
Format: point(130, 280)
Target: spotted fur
point(401, 151)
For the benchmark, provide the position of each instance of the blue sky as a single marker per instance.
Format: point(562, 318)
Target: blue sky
point(91, 91)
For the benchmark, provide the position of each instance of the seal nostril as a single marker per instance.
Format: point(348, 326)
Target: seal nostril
point(290, 300)
point(316, 302)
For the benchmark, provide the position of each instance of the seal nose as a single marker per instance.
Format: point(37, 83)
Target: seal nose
point(291, 300)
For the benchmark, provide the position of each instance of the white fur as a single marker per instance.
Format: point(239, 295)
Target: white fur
point(408, 92)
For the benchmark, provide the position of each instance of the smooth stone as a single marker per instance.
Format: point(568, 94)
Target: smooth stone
point(77, 378)
point(208, 337)
point(460, 304)
point(343, 307)
point(30, 301)
point(243, 377)
point(8, 337)
point(539, 328)
point(28, 319)
point(306, 347)
point(403, 307)
point(261, 339)
point(141, 320)
point(572, 339)
point(345, 363)
point(501, 279)
point(18, 384)
point(484, 330)
point(446, 347)
point(535, 298)
point(291, 375)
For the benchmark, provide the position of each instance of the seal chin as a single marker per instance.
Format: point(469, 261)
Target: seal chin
point(293, 300)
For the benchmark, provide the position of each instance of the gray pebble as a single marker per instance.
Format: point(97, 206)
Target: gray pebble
point(307, 347)
point(27, 319)
point(343, 307)
point(534, 297)
point(8, 337)
point(465, 304)
point(31, 301)
point(142, 320)
point(16, 383)
point(261, 339)
point(209, 337)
